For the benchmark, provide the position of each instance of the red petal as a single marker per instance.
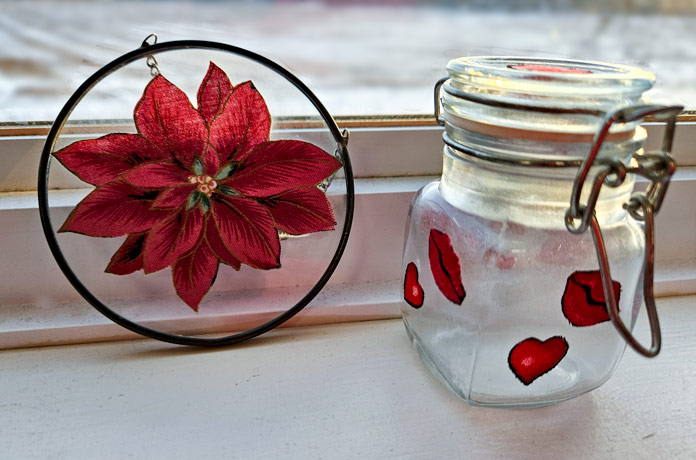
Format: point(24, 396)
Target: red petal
point(583, 300)
point(413, 291)
point(129, 257)
point(194, 274)
point(171, 238)
point(444, 264)
point(278, 166)
point(113, 209)
point(301, 211)
point(98, 161)
point(532, 358)
point(247, 231)
point(218, 246)
point(243, 124)
point(173, 197)
point(213, 92)
point(157, 175)
point(165, 116)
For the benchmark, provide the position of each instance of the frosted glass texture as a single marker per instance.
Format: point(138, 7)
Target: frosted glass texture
point(532, 327)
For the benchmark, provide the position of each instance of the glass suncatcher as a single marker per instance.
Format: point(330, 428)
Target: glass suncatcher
point(508, 299)
point(198, 212)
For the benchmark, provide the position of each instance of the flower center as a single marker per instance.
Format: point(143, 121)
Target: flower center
point(206, 184)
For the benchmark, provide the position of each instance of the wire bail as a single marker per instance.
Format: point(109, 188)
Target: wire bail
point(438, 113)
point(151, 60)
point(657, 167)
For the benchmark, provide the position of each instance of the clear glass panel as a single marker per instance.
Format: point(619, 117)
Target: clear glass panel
point(250, 231)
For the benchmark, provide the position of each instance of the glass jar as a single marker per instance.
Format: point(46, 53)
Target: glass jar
point(505, 293)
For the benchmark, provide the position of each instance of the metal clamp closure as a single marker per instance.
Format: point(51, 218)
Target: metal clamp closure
point(657, 167)
point(438, 112)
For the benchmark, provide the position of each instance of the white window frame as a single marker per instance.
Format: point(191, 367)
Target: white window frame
point(38, 306)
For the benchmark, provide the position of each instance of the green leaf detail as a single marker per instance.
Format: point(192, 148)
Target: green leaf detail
point(197, 166)
point(226, 171)
point(205, 203)
point(225, 190)
point(193, 199)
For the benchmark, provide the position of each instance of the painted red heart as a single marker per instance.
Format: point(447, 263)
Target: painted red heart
point(444, 265)
point(413, 291)
point(583, 302)
point(532, 358)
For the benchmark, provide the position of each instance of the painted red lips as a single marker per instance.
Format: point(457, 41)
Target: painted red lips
point(532, 358)
point(444, 264)
point(583, 300)
point(583, 304)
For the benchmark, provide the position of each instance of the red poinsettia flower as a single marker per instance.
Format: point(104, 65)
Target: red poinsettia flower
point(195, 187)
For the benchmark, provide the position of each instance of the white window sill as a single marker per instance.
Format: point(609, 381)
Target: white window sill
point(352, 390)
point(39, 307)
point(341, 391)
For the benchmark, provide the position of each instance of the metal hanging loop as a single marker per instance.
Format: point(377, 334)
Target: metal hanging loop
point(657, 167)
point(151, 60)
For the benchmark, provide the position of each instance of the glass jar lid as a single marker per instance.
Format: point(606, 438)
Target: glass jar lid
point(540, 107)
point(549, 82)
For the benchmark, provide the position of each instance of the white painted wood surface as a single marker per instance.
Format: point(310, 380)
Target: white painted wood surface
point(38, 306)
point(355, 390)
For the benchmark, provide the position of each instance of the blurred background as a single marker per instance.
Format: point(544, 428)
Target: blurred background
point(374, 58)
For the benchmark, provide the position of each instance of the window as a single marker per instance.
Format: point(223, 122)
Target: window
point(361, 58)
point(373, 66)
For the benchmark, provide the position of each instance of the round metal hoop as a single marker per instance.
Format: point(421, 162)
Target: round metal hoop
point(341, 138)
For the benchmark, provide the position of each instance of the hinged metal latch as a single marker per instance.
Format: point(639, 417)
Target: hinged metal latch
point(658, 168)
